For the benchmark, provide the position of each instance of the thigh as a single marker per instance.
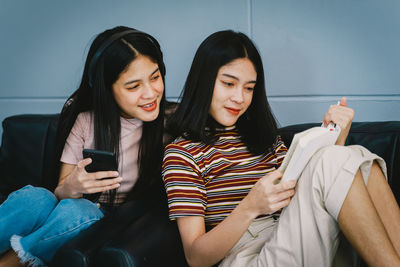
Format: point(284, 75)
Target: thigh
point(73, 214)
point(250, 244)
point(307, 233)
point(68, 219)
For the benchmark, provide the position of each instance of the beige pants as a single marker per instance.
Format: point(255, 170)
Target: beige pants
point(307, 233)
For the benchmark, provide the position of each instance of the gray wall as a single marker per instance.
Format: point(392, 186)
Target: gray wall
point(314, 51)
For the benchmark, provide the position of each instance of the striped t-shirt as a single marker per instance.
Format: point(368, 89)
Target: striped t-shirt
point(211, 180)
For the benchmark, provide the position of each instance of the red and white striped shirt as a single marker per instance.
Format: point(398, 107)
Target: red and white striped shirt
point(211, 180)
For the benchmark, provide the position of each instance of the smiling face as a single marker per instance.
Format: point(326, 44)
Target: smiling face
point(233, 91)
point(139, 89)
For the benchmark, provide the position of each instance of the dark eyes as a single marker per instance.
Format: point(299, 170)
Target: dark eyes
point(155, 78)
point(229, 84)
point(133, 87)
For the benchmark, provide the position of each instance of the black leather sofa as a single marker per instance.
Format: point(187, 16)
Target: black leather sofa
point(26, 155)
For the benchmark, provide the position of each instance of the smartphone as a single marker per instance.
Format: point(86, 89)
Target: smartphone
point(101, 161)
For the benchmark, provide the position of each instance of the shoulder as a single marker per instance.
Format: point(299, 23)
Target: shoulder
point(84, 116)
point(181, 156)
point(279, 144)
point(183, 148)
point(185, 144)
point(180, 144)
point(83, 122)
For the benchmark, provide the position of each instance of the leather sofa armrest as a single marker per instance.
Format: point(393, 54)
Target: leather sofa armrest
point(26, 153)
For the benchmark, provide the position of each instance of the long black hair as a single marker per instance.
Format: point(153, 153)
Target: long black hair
point(257, 125)
point(109, 55)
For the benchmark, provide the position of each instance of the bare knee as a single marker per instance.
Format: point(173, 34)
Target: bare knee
point(375, 173)
point(376, 169)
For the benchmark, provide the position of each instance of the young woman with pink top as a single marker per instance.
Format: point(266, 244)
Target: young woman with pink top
point(118, 107)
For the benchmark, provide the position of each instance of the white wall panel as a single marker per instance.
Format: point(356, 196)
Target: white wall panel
point(313, 51)
point(294, 110)
point(315, 47)
point(44, 43)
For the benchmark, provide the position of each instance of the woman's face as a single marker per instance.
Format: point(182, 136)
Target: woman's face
point(139, 89)
point(233, 91)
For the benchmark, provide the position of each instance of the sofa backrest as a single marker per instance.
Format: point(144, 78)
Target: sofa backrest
point(27, 149)
point(26, 153)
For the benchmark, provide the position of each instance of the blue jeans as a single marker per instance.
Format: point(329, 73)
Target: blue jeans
point(35, 224)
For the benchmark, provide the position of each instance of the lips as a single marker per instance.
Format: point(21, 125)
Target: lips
point(150, 106)
point(233, 111)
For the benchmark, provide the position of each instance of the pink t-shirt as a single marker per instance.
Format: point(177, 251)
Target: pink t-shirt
point(82, 136)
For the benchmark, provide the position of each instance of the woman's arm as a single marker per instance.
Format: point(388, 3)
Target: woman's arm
point(206, 249)
point(74, 181)
point(342, 116)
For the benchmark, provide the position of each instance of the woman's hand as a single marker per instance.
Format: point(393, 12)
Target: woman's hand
point(268, 196)
point(342, 116)
point(76, 181)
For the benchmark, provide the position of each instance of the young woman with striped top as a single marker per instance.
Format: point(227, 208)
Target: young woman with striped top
point(222, 182)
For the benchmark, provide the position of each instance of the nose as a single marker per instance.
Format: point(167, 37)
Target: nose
point(237, 95)
point(149, 92)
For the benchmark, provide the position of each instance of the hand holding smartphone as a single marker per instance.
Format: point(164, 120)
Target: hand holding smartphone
point(101, 161)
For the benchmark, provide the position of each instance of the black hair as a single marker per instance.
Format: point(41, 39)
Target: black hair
point(257, 126)
point(95, 94)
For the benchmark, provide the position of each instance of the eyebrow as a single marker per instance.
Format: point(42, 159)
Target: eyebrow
point(134, 81)
point(236, 78)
